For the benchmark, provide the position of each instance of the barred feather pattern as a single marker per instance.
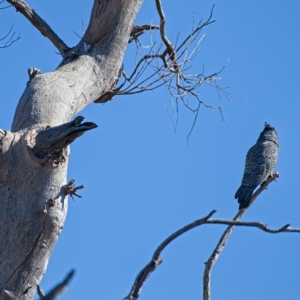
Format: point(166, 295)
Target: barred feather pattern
point(261, 160)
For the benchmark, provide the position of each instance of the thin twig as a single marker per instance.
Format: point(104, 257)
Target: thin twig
point(194, 122)
point(223, 240)
point(10, 40)
point(264, 227)
point(77, 34)
point(22, 7)
point(164, 72)
point(4, 6)
point(199, 27)
point(169, 68)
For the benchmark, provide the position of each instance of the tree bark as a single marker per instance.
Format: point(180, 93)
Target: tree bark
point(33, 199)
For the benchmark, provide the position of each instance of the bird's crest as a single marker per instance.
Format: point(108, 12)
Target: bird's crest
point(268, 126)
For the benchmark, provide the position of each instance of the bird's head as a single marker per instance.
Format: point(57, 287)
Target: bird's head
point(269, 133)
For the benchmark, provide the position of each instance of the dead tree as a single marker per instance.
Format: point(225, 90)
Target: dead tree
point(34, 154)
point(33, 194)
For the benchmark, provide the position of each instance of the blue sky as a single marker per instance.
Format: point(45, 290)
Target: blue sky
point(143, 181)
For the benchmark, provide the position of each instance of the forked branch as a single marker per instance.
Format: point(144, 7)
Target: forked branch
point(170, 50)
point(10, 38)
point(157, 260)
point(224, 238)
point(139, 30)
point(22, 7)
point(167, 65)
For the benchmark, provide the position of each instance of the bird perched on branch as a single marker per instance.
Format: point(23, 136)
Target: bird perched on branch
point(50, 142)
point(261, 160)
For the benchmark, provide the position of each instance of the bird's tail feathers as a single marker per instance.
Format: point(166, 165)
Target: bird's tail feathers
point(244, 194)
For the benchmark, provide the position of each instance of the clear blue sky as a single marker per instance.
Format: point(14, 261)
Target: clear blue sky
point(143, 181)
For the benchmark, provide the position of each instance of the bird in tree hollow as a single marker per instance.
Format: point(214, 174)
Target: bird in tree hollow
point(55, 139)
point(47, 145)
point(261, 160)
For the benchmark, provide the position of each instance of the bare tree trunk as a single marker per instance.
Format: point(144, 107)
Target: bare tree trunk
point(32, 194)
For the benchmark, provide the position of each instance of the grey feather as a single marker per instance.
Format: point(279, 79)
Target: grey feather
point(261, 160)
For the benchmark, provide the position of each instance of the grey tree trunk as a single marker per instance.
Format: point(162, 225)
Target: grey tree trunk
point(33, 203)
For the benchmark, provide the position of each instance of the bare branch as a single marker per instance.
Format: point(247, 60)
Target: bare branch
point(40, 292)
point(224, 238)
point(167, 66)
point(157, 260)
point(139, 30)
point(199, 27)
point(193, 125)
point(77, 34)
point(169, 46)
point(4, 6)
point(57, 290)
point(264, 227)
point(10, 40)
point(22, 7)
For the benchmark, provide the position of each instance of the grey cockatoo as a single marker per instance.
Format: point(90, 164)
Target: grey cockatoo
point(261, 160)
